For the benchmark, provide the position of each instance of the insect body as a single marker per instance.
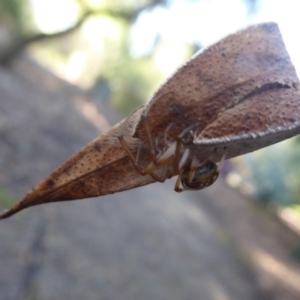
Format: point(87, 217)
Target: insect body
point(240, 94)
point(176, 159)
point(203, 177)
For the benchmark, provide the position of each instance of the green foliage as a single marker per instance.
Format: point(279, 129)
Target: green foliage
point(6, 200)
point(132, 84)
point(17, 15)
point(296, 252)
point(274, 173)
point(296, 208)
point(106, 55)
point(131, 80)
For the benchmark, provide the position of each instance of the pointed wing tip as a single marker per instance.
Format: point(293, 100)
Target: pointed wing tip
point(9, 212)
point(6, 214)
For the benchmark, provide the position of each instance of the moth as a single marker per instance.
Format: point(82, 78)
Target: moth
point(234, 97)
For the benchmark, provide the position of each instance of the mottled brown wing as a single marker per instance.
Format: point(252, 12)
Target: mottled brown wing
point(265, 119)
point(102, 167)
point(242, 91)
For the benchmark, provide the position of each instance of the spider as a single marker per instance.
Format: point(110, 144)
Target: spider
point(176, 159)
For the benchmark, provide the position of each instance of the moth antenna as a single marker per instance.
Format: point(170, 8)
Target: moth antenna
point(166, 132)
point(138, 153)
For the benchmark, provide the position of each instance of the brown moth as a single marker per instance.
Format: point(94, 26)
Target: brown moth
point(234, 97)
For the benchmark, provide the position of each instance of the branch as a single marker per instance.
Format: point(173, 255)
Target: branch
point(9, 54)
point(19, 45)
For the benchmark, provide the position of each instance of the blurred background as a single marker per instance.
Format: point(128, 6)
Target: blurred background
point(70, 69)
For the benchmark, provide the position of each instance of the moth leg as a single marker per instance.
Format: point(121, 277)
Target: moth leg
point(140, 169)
point(177, 187)
point(172, 150)
point(166, 155)
point(166, 133)
point(144, 119)
point(191, 173)
point(124, 145)
point(135, 160)
point(153, 151)
point(164, 175)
